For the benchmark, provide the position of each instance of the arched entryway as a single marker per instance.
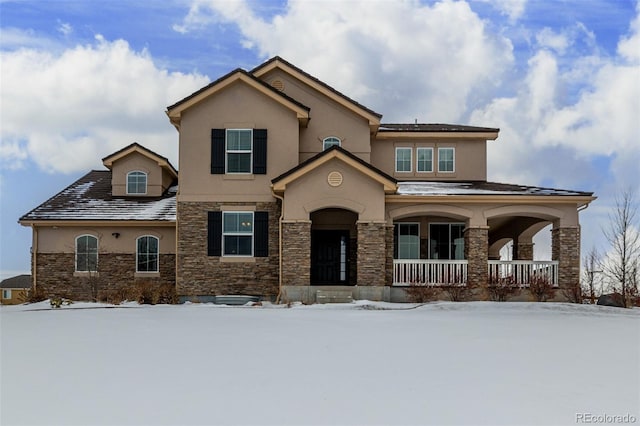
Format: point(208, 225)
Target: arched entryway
point(333, 247)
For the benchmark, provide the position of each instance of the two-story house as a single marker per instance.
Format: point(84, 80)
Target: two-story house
point(288, 187)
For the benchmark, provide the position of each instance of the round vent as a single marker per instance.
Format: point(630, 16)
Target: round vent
point(335, 178)
point(278, 85)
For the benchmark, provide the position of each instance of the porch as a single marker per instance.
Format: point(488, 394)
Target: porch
point(454, 272)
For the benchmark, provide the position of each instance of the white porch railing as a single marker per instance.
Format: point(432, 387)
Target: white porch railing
point(429, 272)
point(521, 271)
point(450, 272)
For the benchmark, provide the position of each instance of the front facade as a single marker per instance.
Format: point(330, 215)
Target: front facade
point(289, 188)
point(15, 290)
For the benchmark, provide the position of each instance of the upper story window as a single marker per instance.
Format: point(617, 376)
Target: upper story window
point(86, 253)
point(329, 142)
point(147, 254)
point(403, 159)
point(136, 182)
point(239, 149)
point(425, 160)
point(446, 159)
point(237, 233)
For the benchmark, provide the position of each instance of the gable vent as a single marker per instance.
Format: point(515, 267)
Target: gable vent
point(278, 85)
point(334, 179)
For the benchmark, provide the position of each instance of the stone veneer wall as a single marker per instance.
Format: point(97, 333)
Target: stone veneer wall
point(116, 271)
point(296, 253)
point(525, 251)
point(389, 239)
point(476, 246)
point(565, 248)
point(201, 275)
point(372, 253)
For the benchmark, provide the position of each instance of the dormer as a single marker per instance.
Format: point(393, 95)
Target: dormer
point(139, 172)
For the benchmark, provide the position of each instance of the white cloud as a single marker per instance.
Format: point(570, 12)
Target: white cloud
point(549, 38)
point(513, 9)
point(403, 59)
point(69, 109)
point(64, 28)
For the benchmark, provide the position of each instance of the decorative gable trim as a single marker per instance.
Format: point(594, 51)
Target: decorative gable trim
point(280, 183)
point(174, 112)
point(278, 63)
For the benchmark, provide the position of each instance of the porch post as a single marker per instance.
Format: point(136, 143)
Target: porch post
point(372, 253)
point(296, 253)
point(565, 248)
point(523, 249)
point(388, 277)
point(476, 251)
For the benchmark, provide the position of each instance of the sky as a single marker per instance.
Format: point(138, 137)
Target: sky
point(80, 79)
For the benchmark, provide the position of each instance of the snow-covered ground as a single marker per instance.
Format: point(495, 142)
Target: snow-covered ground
point(363, 363)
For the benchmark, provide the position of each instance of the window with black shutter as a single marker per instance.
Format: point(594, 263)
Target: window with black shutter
point(261, 234)
point(239, 151)
point(217, 151)
point(214, 234)
point(260, 151)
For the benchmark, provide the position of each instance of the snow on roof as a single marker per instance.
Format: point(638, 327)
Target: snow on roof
point(89, 198)
point(478, 188)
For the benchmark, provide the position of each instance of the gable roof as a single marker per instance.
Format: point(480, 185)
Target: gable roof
point(277, 62)
point(89, 199)
point(279, 183)
point(174, 111)
point(163, 162)
point(19, 281)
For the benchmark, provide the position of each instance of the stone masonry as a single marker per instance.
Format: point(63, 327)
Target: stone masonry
point(372, 253)
point(476, 246)
point(116, 272)
point(524, 251)
point(565, 248)
point(201, 275)
point(296, 253)
point(389, 239)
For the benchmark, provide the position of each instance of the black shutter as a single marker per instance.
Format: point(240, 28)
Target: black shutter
point(214, 234)
point(259, 151)
point(261, 234)
point(217, 151)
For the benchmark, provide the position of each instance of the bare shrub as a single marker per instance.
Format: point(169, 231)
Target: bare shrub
point(33, 295)
point(456, 293)
point(149, 293)
point(541, 287)
point(417, 293)
point(501, 288)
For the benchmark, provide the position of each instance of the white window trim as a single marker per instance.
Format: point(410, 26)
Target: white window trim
point(75, 251)
point(442, 223)
point(6, 293)
point(333, 138)
point(410, 159)
point(408, 223)
point(146, 182)
point(158, 254)
point(423, 148)
point(242, 234)
point(242, 151)
point(453, 159)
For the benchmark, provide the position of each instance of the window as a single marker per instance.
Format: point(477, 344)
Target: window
point(329, 142)
point(238, 151)
point(147, 254)
point(446, 241)
point(86, 253)
point(6, 294)
point(425, 160)
point(446, 159)
point(407, 240)
point(238, 148)
point(136, 182)
point(237, 234)
point(403, 159)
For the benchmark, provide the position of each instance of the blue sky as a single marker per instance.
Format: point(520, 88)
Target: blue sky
point(81, 79)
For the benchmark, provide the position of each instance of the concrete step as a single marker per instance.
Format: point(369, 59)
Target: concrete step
point(334, 296)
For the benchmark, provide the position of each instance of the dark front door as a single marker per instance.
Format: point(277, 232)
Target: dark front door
point(329, 257)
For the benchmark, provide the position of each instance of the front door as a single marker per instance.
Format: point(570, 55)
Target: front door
point(329, 257)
